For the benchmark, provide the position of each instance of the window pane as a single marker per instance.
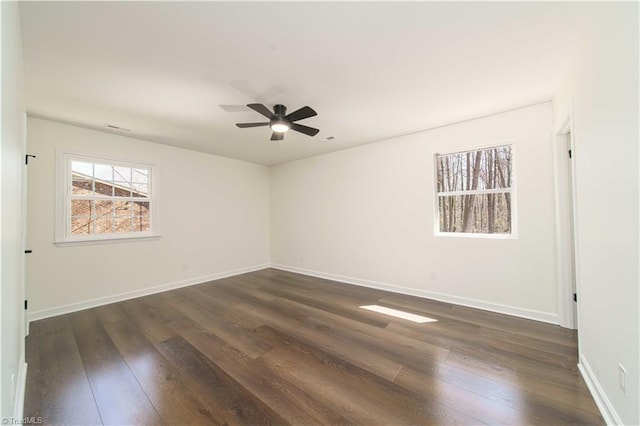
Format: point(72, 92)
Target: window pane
point(453, 172)
point(103, 208)
point(81, 185)
point(141, 209)
point(103, 224)
point(103, 172)
point(488, 168)
point(122, 224)
point(140, 190)
point(82, 168)
point(481, 213)
point(103, 188)
point(122, 174)
point(119, 191)
point(80, 208)
point(140, 176)
point(81, 225)
point(123, 184)
point(141, 224)
point(124, 208)
point(122, 181)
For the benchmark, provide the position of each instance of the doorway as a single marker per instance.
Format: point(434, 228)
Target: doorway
point(565, 177)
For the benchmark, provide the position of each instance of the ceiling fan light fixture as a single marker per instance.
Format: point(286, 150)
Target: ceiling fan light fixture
point(280, 126)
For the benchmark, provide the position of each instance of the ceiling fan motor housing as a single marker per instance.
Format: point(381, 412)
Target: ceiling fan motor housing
point(280, 112)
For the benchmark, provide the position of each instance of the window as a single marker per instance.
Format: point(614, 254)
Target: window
point(474, 191)
point(103, 199)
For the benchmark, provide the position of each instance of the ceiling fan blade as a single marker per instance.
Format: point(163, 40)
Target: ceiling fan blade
point(245, 125)
point(310, 131)
point(301, 114)
point(259, 108)
point(277, 136)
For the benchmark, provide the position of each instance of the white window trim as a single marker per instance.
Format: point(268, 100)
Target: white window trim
point(512, 190)
point(62, 237)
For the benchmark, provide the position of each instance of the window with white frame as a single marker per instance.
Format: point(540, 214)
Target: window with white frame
point(475, 191)
point(102, 199)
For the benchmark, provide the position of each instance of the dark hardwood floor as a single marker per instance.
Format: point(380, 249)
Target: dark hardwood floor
point(281, 348)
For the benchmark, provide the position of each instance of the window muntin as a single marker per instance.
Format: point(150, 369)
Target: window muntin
point(474, 191)
point(105, 199)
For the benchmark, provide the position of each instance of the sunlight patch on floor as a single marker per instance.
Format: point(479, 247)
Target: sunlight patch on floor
point(398, 314)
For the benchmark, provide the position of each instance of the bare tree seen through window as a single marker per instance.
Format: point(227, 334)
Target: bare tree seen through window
point(474, 191)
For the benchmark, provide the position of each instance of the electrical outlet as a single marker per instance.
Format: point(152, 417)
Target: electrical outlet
point(622, 376)
point(434, 275)
point(185, 266)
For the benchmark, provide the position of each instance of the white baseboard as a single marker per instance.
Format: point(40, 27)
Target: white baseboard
point(21, 388)
point(547, 317)
point(599, 396)
point(92, 303)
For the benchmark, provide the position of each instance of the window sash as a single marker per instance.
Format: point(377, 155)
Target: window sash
point(65, 191)
point(509, 188)
point(475, 192)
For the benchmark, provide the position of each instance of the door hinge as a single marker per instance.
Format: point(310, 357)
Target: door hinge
point(570, 156)
point(26, 158)
point(26, 304)
point(575, 297)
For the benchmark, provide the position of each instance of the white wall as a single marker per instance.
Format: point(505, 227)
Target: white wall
point(214, 218)
point(12, 371)
point(366, 215)
point(602, 86)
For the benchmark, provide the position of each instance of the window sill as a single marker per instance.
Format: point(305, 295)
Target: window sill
point(481, 236)
point(110, 240)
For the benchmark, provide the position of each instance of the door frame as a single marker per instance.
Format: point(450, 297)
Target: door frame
point(23, 230)
point(566, 212)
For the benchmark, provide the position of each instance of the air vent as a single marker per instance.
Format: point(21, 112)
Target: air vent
point(112, 127)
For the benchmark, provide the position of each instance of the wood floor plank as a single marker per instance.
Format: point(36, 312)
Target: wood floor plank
point(117, 393)
point(160, 310)
point(475, 405)
point(329, 342)
point(205, 296)
point(341, 384)
point(159, 380)
point(505, 354)
point(295, 406)
point(500, 369)
point(64, 390)
point(152, 324)
point(329, 306)
point(482, 319)
point(274, 347)
point(395, 346)
point(230, 332)
point(495, 402)
point(225, 397)
point(528, 342)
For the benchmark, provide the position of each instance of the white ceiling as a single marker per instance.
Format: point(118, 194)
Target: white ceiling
point(180, 73)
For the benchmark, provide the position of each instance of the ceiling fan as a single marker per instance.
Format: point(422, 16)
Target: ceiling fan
point(280, 123)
